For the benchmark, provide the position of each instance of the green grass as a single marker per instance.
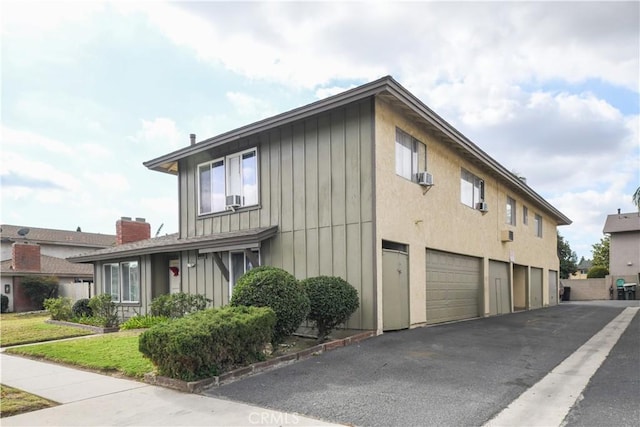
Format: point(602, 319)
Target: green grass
point(25, 329)
point(14, 402)
point(116, 352)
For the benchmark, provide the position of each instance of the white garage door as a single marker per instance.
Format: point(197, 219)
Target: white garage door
point(454, 284)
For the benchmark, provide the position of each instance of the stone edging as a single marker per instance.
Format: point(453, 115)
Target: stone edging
point(227, 377)
point(98, 329)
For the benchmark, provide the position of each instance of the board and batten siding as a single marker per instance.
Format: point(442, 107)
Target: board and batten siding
point(315, 184)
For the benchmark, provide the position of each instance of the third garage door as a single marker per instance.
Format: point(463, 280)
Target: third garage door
point(453, 289)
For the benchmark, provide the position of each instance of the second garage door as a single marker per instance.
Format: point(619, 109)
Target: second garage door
point(453, 289)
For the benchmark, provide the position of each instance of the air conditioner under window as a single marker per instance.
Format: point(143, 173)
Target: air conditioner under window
point(424, 178)
point(234, 201)
point(482, 207)
point(507, 235)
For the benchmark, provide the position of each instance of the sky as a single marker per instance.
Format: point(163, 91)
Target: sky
point(91, 89)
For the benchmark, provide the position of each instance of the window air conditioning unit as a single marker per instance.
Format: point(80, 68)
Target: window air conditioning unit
point(507, 235)
point(482, 207)
point(425, 179)
point(234, 201)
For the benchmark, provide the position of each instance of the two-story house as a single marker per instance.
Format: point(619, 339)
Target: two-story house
point(34, 251)
point(369, 185)
point(624, 246)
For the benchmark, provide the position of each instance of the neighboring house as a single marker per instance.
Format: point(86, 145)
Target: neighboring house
point(582, 269)
point(624, 246)
point(30, 251)
point(369, 185)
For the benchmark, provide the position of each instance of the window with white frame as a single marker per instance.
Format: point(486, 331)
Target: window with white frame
point(511, 211)
point(233, 175)
point(537, 221)
point(122, 281)
point(411, 155)
point(471, 189)
point(525, 215)
point(240, 263)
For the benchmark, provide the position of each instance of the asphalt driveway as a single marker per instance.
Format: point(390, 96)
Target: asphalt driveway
point(456, 374)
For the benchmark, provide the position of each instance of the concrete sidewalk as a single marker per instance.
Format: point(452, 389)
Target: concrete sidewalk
point(89, 399)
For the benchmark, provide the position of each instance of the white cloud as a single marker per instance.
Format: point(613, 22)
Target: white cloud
point(161, 133)
point(250, 106)
point(15, 139)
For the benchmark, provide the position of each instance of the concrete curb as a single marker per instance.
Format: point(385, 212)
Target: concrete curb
point(256, 368)
point(98, 329)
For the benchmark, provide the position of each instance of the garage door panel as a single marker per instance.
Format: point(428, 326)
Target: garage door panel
point(453, 287)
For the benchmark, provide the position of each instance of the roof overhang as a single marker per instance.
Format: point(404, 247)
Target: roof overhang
point(242, 239)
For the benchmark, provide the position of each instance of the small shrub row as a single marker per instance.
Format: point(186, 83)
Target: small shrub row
point(325, 301)
point(140, 322)
point(597, 272)
point(178, 304)
point(208, 342)
point(103, 311)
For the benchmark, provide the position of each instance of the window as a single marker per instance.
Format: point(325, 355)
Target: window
point(233, 175)
point(511, 211)
point(525, 215)
point(471, 189)
point(122, 281)
point(411, 155)
point(240, 263)
point(537, 221)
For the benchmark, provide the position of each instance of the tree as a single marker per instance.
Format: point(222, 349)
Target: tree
point(568, 258)
point(600, 253)
point(636, 198)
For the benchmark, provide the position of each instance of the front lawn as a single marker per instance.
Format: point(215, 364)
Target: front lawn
point(116, 352)
point(14, 402)
point(25, 329)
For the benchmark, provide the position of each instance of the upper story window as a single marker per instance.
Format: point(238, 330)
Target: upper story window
point(122, 281)
point(537, 221)
point(411, 155)
point(511, 211)
point(525, 215)
point(230, 180)
point(471, 189)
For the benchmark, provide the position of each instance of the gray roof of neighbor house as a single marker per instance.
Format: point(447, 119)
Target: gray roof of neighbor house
point(172, 242)
point(390, 90)
point(9, 233)
point(619, 223)
point(50, 266)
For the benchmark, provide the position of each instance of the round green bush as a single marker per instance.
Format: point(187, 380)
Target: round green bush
point(597, 272)
point(333, 300)
point(275, 288)
point(81, 308)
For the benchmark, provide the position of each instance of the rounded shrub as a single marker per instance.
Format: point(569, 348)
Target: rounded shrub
point(333, 300)
point(274, 288)
point(597, 272)
point(81, 308)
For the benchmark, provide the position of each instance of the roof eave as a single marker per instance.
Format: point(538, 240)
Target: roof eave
point(163, 163)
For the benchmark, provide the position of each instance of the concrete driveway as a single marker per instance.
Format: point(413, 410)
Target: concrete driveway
point(457, 374)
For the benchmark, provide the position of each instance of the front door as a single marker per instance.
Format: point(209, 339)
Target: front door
point(395, 290)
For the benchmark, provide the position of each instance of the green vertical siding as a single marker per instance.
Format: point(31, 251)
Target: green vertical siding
point(316, 186)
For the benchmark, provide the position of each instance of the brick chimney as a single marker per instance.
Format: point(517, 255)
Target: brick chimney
point(25, 257)
point(128, 230)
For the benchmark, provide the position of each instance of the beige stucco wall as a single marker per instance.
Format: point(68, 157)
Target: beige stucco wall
point(624, 254)
point(588, 289)
point(436, 218)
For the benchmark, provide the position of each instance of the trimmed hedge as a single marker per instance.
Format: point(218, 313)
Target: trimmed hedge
point(5, 303)
point(273, 287)
point(143, 322)
point(333, 301)
point(178, 304)
point(209, 342)
point(597, 272)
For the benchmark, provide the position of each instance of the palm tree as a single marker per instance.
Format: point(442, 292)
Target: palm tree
point(636, 198)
